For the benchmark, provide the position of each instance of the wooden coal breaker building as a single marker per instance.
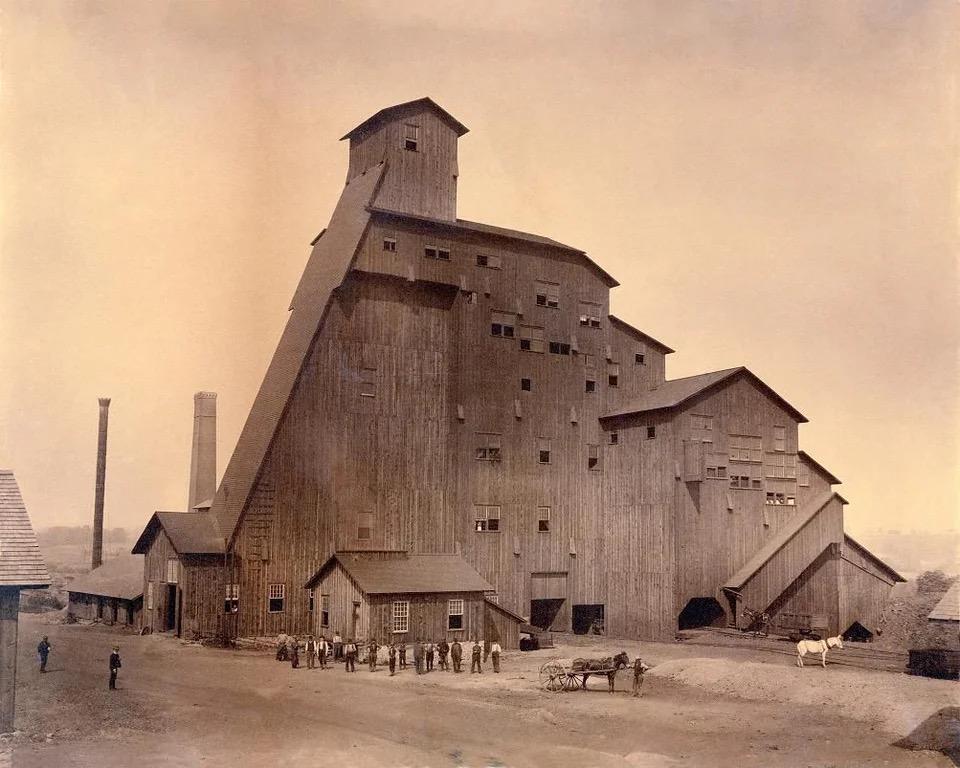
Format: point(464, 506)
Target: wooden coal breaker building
point(449, 387)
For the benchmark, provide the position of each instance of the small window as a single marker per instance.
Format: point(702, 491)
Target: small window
point(745, 448)
point(590, 386)
point(310, 600)
point(779, 499)
point(324, 610)
point(434, 252)
point(390, 244)
point(779, 438)
point(443, 254)
point(715, 471)
point(701, 428)
point(543, 519)
point(149, 595)
point(780, 465)
point(173, 569)
point(613, 374)
point(401, 616)
point(231, 598)
point(503, 324)
point(488, 261)
point(364, 526)
point(546, 294)
point(803, 475)
point(740, 481)
point(594, 458)
point(455, 614)
point(651, 433)
point(531, 338)
point(488, 446)
point(590, 314)
point(411, 137)
point(368, 382)
point(543, 450)
point(526, 385)
point(613, 438)
point(559, 348)
point(791, 501)
point(275, 595)
point(487, 517)
point(639, 358)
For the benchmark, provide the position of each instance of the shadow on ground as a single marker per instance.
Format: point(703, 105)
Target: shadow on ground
point(940, 733)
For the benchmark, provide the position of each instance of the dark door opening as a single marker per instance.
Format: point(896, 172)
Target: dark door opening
point(130, 614)
point(544, 612)
point(587, 619)
point(171, 616)
point(858, 633)
point(702, 612)
point(354, 620)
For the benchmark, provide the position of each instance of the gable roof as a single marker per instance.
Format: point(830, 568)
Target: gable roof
point(872, 557)
point(777, 542)
point(624, 325)
point(21, 564)
point(808, 459)
point(329, 262)
point(190, 533)
point(948, 609)
point(676, 392)
point(406, 574)
point(397, 110)
point(120, 577)
point(462, 225)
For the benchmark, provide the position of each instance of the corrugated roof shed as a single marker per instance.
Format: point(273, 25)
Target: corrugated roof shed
point(120, 577)
point(21, 564)
point(325, 271)
point(676, 392)
point(405, 575)
point(948, 609)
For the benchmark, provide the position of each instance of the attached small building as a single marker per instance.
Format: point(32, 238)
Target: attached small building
point(392, 596)
point(112, 593)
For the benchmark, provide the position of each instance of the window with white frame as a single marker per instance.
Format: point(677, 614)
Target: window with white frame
point(715, 468)
point(590, 314)
point(503, 324)
point(488, 446)
point(745, 448)
point(149, 595)
point(775, 498)
point(779, 438)
point(231, 598)
point(701, 428)
point(364, 526)
point(275, 597)
point(782, 465)
point(324, 610)
point(543, 519)
point(531, 338)
point(455, 614)
point(401, 616)
point(486, 517)
point(173, 570)
point(411, 137)
point(546, 294)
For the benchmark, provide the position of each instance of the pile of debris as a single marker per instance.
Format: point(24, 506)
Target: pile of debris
point(905, 622)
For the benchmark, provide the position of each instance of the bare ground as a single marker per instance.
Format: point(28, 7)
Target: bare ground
point(184, 705)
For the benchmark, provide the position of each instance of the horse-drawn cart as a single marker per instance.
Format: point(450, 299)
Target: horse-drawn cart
point(572, 675)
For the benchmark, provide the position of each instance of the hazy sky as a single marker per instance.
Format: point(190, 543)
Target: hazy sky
point(774, 185)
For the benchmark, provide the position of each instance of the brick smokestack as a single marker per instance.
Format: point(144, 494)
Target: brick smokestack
point(203, 454)
point(97, 559)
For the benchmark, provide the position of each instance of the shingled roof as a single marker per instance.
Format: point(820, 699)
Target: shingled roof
point(190, 533)
point(406, 574)
point(21, 564)
point(948, 609)
point(120, 577)
point(676, 392)
point(328, 265)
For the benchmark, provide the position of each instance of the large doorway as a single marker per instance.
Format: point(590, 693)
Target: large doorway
point(702, 612)
point(587, 618)
point(548, 601)
point(170, 619)
point(543, 613)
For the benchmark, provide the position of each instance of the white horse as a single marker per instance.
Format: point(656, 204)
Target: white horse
point(818, 646)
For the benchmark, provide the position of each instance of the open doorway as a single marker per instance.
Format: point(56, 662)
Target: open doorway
point(544, 612)
point(858, 633)
point(587, 619)
point(702, 612)
point(170, 620)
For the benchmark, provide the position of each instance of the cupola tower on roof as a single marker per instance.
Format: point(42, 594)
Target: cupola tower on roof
point(418, 141)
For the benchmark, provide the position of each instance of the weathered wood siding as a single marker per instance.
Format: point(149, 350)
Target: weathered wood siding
point(203, 589)
point(344, 594)
point(155, 569)
point(428, 617)
point(111, 609)
point(9, 615)
point(812, 599)
point(500, 625)
point(864, 589)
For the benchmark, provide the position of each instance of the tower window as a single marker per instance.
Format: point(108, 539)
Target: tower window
point(589, 314)
point(364, 526)
point(526, 385)
point(613, 374)
point(487, 517)
point(433, 252)
point(411, 137)
point(594, 460)
point(531, 338)
point(590, 386)
point(485, 260)
point(389, 244)
point(547, 294)
point(543, 519)
point(639, 358)
point(275, 596)
point(651, 433)
point(488, 447)
point(613, 438)
point(543, 450)
point(502, 324)
point(559, 348)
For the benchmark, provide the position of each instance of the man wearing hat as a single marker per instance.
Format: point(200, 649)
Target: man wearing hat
point(114, 667)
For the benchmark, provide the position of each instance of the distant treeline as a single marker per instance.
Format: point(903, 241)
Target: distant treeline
point(81, 536)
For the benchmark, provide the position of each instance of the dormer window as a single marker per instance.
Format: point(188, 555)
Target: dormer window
point(411, 137)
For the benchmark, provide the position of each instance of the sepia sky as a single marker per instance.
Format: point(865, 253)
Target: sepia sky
point(774, 184)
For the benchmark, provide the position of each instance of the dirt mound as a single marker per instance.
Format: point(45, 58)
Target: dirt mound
point(905, 624)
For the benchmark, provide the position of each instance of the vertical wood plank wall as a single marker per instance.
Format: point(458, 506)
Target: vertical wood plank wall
point(155, 570)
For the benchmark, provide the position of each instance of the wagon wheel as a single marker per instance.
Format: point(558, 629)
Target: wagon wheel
point(571, 682)
point(551, 676)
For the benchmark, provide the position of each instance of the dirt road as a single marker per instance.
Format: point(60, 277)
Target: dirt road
point(183, 705)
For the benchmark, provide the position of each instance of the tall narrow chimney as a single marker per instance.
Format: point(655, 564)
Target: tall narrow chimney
point(203, 454)
point(97, 559)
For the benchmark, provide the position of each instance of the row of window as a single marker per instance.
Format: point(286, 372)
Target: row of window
point(489, 448)
point(742, 447)
point(780, 466)
point(487, 518)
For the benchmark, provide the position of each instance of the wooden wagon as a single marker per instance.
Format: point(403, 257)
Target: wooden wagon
point(559, 676)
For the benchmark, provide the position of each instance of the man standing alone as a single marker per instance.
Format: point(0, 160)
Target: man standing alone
point(114, 667)
point(495, 654)
point(350, 651)
point(43, 651)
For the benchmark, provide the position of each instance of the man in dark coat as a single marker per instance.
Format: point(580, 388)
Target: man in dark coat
point(456, 655)
point(442, 650)
point(372, 655)
point(475, 653)
point(294, 652)
point(114, 667)
point(350, 652)
point(402, 652)
point(429, 653)
point(43, 651)
point(392, 658)
point(311, 650)
point(418, 656)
